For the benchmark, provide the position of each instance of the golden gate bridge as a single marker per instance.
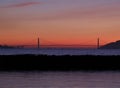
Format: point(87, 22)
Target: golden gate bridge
point(53, 45)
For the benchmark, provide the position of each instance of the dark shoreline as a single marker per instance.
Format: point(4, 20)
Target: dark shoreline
point(58, 63)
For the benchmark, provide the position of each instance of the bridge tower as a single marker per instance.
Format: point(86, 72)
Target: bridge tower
point(38, 43)
point(98, 43)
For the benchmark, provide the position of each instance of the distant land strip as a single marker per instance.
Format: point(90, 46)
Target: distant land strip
point(46, 46)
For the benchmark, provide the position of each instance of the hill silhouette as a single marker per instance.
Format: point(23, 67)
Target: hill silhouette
point(111, 45)
point(7, 46)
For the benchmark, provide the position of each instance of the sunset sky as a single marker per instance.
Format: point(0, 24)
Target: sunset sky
point(59, 21)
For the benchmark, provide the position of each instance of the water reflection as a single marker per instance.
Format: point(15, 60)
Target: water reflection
point(60, 79)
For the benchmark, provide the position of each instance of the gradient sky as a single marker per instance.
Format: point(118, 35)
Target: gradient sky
point(59, 21)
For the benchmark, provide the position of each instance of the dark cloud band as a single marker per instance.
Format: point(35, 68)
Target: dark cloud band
point(22, 4)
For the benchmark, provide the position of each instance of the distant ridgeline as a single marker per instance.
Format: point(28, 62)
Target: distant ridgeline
point(112, 45)
point(6, 46)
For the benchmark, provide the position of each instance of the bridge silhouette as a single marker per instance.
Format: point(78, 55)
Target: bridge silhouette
point(43, 43)
point(50, 44)
point(59, 46)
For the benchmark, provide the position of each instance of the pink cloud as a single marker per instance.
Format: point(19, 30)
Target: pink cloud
point(93, 12)
point(21, 4)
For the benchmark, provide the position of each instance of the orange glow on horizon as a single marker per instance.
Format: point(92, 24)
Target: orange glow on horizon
point(66, 22)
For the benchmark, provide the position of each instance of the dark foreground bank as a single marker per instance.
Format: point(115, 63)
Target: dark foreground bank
point(44, 62)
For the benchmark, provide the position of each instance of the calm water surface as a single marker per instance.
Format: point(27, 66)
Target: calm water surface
point(110, 79)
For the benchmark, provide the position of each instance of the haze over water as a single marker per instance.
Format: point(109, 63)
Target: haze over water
point(60, 51)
